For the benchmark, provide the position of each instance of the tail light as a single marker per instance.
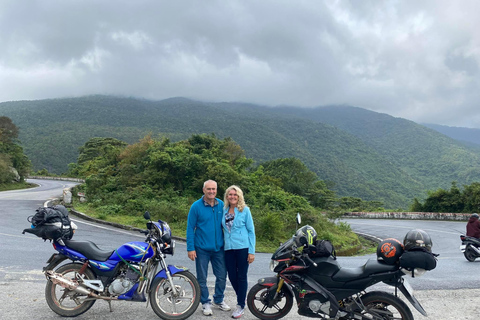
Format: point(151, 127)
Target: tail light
point(462, 237)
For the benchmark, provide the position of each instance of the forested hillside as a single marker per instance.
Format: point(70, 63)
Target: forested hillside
point(470, 136)
point(431, 158)
point(360, 153)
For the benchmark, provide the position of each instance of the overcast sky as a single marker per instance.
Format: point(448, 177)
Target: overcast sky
point(417, 60)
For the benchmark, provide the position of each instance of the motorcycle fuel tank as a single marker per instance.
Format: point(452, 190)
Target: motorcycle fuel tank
point(133, 251)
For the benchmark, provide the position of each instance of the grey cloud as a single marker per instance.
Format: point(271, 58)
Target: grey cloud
point(417, 60)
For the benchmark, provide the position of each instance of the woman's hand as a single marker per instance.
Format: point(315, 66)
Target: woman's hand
point(250, 258)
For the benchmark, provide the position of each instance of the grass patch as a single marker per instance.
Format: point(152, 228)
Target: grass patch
point(16, 186)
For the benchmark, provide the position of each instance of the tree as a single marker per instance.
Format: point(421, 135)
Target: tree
point(8, 130)
point(97, 154)
point(13, 155)
point(294, 175)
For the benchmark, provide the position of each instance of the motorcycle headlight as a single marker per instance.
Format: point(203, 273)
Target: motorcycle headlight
point(273, 264)
point(417, 272)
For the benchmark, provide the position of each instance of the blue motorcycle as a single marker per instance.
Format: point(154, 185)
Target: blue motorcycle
point(133, 272)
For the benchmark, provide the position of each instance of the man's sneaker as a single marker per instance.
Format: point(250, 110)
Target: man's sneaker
point(207, 309)
point(238, 312)
point(222, 306)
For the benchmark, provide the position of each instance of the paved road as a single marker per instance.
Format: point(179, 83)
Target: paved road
point(23, 256)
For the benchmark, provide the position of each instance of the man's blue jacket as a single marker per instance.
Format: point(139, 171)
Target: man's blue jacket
point(204, 226)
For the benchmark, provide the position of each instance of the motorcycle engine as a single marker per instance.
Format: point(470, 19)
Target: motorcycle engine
point(124, 282)
point(313, 304)
point(316, 306)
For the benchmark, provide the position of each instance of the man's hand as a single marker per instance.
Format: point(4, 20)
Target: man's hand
point(192, 255)
point(250, 258)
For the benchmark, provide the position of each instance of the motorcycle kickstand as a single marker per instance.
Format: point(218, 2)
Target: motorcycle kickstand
point(110, 305)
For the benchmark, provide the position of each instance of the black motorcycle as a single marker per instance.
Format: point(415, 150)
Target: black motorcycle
point(323, 289)
point(470, 247)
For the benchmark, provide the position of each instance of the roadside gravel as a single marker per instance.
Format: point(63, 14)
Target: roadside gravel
point(25, 300)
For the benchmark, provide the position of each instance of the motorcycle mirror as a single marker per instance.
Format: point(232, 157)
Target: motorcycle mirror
point(146, 215)
point(299, 219)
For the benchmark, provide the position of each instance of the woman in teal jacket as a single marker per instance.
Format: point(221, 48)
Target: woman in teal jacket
point(239, 234)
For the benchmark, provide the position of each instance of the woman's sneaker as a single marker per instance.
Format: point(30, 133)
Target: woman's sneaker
point(238, 312)
point(222, 306)
point(207, 309)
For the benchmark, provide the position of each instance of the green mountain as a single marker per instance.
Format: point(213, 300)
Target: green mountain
point(470, 136)
point(362, 153)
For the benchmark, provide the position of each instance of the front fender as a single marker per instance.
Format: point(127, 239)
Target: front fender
point(268, 282)
point(173, 269)
point(272, 284)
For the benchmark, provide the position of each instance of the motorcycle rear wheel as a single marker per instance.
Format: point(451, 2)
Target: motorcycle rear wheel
point(384, 306)
point(258, 304)
point(470, 254)
point(170, 307)
point(65, 302)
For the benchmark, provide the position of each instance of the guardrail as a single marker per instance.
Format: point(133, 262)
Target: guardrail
point(410, 215)
point(56, 178)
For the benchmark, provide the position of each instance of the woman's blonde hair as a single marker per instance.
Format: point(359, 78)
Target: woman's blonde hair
point(241, 201)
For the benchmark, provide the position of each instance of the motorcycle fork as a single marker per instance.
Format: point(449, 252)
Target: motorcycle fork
point(276, 292)
point(169, 275)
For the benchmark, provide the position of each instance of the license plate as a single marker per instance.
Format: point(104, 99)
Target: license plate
point(462, 247)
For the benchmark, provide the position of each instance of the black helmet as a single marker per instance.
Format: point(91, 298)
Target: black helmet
point(308, 232)
point(417, 238)
point(475, 215)
point(389, 250)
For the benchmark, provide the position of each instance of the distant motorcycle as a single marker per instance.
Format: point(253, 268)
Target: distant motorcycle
point(323, 289)
point(470, 247)
point(133, 272)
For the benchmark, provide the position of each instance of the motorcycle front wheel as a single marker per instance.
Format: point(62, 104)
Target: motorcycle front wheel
point(384, 306)
point(258, 303)
point(65, 302)
point(470, 254)
point(168, 305)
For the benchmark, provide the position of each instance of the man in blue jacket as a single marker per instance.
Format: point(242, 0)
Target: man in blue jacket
point(205, 244)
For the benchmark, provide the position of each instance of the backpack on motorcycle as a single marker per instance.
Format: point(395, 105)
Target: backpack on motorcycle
point(322, 248)
point(51, 223)
point(418, 258)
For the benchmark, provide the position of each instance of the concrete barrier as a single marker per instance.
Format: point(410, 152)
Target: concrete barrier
point(410, 215)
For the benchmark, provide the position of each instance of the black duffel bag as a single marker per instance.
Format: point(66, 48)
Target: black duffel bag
point(51, 223)
point(418, 258)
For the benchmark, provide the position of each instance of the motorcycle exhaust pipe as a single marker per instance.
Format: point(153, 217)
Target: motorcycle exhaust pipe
point(67, 283)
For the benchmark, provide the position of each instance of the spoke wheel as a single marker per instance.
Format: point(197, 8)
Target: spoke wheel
point(168, 305)
point(257, 301)
point(65, 302)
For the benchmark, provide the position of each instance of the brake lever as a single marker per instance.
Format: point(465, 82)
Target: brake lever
point(310, 260)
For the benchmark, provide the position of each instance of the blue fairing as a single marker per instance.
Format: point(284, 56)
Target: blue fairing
point(172, 269)
point(133, 251)
point(133, 295)
point(71, 254)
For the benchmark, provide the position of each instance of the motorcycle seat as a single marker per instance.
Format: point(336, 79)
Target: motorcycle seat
point(89, 249)
point(372, 266)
